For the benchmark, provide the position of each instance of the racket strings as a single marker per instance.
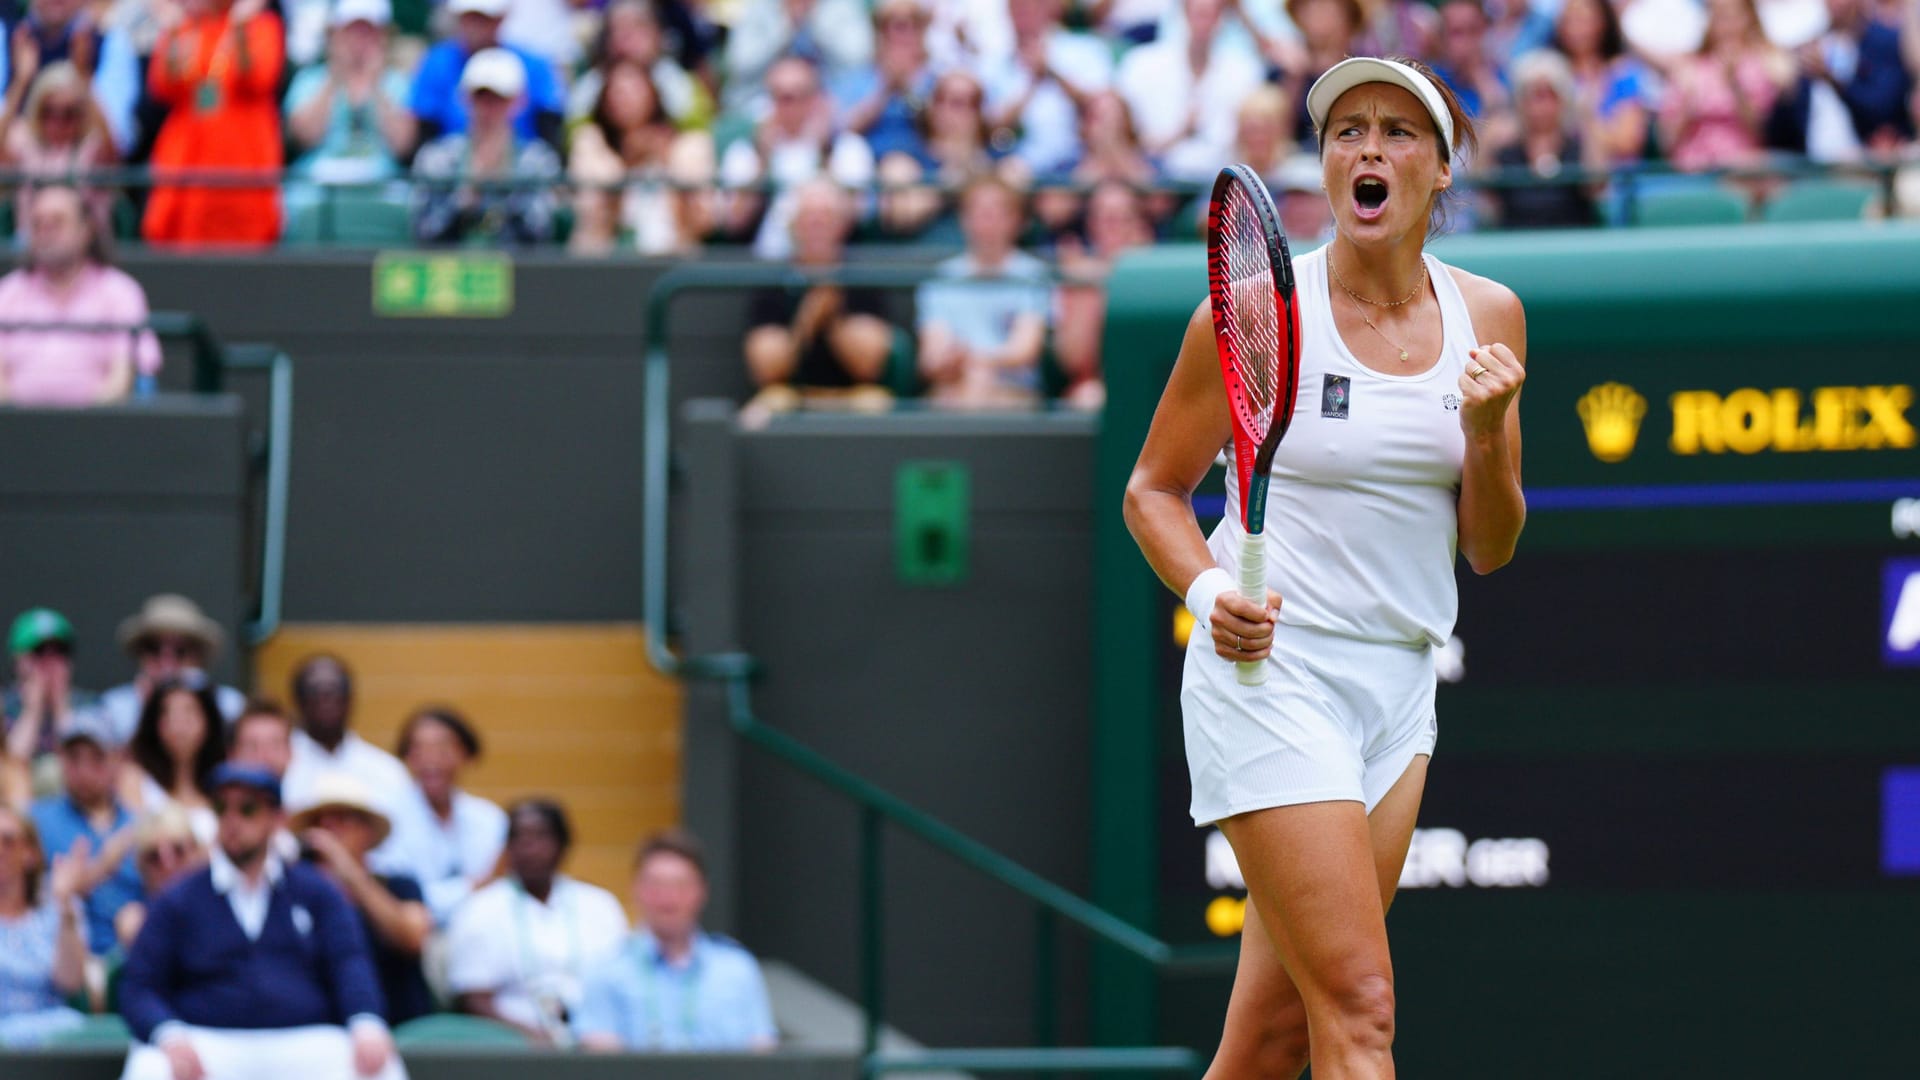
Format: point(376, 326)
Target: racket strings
point(1252, 325)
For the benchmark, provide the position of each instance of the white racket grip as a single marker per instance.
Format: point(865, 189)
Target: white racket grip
point(1253, 586)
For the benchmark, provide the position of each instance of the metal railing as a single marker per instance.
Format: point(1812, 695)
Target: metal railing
point(212, 362)
point(879, 807)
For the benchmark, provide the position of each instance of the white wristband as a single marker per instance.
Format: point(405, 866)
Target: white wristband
point(1204, 591)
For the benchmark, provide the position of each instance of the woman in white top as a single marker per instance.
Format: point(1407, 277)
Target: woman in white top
point(448, 839)
point(1405, 447)
point(181, 737)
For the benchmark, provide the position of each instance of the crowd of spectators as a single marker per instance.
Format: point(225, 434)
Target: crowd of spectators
point(662, 125)
point(255, 888)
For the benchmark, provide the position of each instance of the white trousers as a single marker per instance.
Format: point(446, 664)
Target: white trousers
point(302, 1053)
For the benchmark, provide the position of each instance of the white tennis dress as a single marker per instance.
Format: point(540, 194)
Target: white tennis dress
point(1361, 533)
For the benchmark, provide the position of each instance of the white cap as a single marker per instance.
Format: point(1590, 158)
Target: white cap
point(492, 9)
point(1358, 70)
point(377, 12)
point(494, 69)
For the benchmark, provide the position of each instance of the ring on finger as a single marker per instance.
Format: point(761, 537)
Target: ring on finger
point(1239, 643)
point(1475, 372)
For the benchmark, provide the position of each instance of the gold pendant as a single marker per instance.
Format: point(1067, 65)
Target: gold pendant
point(1403, 356)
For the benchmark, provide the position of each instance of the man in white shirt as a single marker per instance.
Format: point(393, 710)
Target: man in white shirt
point(519, 949)
point(1185, 93)
point(323, 696)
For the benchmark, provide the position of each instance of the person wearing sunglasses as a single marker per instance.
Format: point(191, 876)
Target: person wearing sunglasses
point(40, 703)
point(253, 965)
point(168, 638)
point(164, 850)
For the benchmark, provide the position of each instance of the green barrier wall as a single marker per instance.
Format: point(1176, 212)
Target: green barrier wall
point(1689, 688)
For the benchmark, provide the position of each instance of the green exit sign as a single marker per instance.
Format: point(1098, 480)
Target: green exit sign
point(932, 512)
point(449, 285)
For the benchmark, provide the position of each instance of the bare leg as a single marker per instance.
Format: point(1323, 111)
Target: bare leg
point(1266, 1033)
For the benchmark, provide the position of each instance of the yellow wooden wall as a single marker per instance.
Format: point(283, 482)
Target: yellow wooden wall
point(571, 711)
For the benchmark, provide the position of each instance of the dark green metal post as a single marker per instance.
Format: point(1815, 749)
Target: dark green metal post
point(1045, 1031)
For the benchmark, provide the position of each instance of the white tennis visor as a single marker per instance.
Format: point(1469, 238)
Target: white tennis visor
point(1359, 70)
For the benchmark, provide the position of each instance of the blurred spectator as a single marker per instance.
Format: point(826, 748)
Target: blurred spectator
point(439, 96)
point(1185, 94)
point(1305, 214)
point(955, 135)
point(1851, 92)
point(983, 319)
point(490, 185)
point(691, 36)
point(446, 838)
point(551, 30)
point(336, 832)
point(1717, 100)
point(666, 205)
point(1116, 222)
point(519, 948)
point(836, 36)
point(1126, 22)
point(1329, 33)
point(1519, 28)
point(42, 701)
point(43, 946)
point(168, 638)
point(326, 741)
point(88, 821)
point(68, 277)
point(829, 338)
point(1110, 144)
point(1547, 144)
point(1263, 132)
point(180, 739)
point(54, 31)
point(253, 966)
point(59, 136)
point(795, 143)
point(631, 34)
point(884, 102)
point(1035, 93)
point(673, 986)
point(1466, 62)
point(347, 117)
point(1614, 91)
point(164, 848)
point(1399, 28)
point(218, 71)
point(262, 738)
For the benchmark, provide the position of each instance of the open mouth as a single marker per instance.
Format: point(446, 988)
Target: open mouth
point(1369, 196)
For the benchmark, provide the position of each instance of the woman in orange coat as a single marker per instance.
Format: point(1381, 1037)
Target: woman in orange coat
point(218, 71)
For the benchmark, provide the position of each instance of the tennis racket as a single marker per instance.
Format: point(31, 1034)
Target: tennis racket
point(1256, 326)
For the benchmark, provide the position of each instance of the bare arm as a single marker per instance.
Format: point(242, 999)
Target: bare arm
point(1023, 344)
point(1492, 507)
point(1189, 427)
point(309, 122)
point(401, 924)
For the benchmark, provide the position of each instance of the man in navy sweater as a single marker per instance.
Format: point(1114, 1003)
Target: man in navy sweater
point(253, 966)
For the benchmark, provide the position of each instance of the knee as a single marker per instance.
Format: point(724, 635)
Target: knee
point(1284, 1049)
point(1363, 1007)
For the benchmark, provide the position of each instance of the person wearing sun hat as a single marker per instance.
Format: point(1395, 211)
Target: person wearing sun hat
point(42, 700)
point(336, 831)
point(1406, 457)
point(169, 638)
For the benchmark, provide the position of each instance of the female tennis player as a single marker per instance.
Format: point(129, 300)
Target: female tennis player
point(1404, 447)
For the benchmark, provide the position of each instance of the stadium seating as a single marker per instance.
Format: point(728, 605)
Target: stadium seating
point(455, 1029)
point(1689, 206)
point(1822, 200)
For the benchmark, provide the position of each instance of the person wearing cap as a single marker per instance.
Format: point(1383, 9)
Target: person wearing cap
point(439, 97)
point(488, 185)
point(347, 114)
point(218, 73)
point(88, 817)
point(253, 966)
point(1404, 456)
point(42, 700)
point(169, 639)
point(336, 831)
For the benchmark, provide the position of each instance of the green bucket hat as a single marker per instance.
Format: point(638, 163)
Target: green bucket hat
point(37, 626)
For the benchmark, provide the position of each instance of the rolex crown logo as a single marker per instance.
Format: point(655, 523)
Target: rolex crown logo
point(1611, 413)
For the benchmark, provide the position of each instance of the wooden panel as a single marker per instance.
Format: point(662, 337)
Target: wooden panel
point(571, 711)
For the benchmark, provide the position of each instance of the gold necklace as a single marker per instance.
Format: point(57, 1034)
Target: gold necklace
point(1362, 312)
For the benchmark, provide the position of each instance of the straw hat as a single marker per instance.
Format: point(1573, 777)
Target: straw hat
point(171, 613)
point(336, 790)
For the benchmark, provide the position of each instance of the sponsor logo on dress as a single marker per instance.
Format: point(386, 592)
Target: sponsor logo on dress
point(1450, 402)
point(1334, 394)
